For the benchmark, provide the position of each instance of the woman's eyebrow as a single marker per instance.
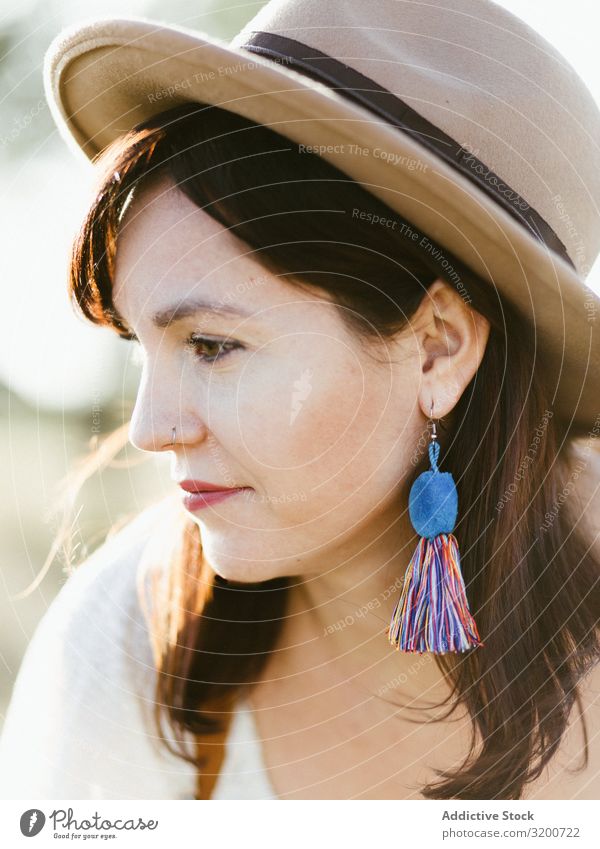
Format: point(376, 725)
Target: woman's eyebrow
point(186, 308)
point(192, 306)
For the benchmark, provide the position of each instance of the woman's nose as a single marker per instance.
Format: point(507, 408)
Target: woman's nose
point(161, 418)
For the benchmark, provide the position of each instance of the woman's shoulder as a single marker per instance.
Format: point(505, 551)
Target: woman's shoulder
point(100, 609)
point(129, 548)
point(105, 597)
point(112, 576)
point(79, 720)
point(563, 778)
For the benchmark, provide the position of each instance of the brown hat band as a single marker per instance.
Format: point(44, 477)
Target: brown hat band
point(367, 93)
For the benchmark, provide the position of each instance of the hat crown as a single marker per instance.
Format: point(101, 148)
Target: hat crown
point(485, 78)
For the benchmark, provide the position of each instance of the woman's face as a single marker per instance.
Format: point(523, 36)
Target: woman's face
point(292, 407)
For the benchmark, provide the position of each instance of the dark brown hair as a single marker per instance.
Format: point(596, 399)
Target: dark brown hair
point(531, 577)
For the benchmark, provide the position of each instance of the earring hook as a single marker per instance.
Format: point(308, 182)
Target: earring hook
point(433, 428)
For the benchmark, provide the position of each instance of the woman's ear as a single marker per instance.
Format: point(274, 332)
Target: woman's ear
point(451, 337)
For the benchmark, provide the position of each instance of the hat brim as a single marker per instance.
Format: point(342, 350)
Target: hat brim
point(103, 76)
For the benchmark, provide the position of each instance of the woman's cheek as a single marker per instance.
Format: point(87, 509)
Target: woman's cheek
point(303, 406)
point(293, 423)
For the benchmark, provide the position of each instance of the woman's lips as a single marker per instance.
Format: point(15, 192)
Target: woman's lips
point(196, 500)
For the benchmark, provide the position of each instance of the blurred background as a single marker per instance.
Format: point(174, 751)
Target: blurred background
point(64, 383)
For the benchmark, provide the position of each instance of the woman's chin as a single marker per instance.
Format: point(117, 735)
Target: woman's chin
point(244, 573)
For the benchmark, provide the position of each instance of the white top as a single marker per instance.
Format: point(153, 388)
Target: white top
point(78, 724)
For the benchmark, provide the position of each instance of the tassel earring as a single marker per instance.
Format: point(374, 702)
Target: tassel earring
point(432, 613)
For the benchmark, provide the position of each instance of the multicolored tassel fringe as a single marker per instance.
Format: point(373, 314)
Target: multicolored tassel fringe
point(432, 614)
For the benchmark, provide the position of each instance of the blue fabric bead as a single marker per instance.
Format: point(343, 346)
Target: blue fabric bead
point(433, 504)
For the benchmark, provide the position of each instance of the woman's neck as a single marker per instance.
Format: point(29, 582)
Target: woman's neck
point(336, 625)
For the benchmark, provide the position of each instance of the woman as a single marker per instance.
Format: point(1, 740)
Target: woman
point(304, 345)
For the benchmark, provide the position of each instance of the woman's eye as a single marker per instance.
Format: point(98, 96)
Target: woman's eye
point(207, 350)
point(210, 350)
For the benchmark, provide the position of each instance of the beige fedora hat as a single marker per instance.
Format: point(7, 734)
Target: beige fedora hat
point(456, 114)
